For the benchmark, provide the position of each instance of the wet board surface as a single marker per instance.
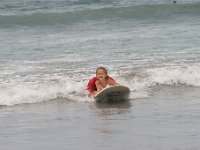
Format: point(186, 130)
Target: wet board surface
point(113, 93)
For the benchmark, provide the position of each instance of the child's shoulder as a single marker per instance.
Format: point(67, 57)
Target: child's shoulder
point(110, 78)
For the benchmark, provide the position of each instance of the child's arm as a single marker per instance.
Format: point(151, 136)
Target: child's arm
point(98, 86)
point(93, 93)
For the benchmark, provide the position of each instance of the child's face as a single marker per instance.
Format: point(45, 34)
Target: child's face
point(101, 74)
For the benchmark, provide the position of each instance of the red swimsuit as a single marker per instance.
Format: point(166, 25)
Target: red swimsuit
point(92, 86)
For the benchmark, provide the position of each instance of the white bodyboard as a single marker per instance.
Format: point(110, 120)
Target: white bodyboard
point(113, 93)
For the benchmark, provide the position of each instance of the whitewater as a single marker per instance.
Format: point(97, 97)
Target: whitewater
point(50, 49)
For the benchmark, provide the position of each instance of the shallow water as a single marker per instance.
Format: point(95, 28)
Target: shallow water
point(167, 120)
point(50, 47)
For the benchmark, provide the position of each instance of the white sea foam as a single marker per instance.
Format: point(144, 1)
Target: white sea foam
point(56, 52)
point(45, 87)
point(176, 75)
point(34, 89)
point(142, 83)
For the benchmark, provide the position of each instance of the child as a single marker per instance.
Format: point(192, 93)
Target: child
point(99, 82)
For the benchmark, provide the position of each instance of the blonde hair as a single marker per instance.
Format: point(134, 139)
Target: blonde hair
point(103, 68)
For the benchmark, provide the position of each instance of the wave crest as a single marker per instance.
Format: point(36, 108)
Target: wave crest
point(140, 12)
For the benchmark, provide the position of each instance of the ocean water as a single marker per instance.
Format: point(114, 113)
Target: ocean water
point(49, 49)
